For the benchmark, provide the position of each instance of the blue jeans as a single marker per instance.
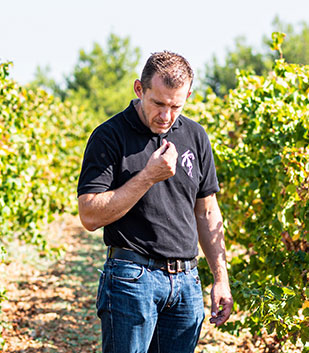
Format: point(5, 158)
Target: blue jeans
point(144, 310)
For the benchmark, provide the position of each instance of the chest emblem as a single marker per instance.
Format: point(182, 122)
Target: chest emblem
point(187, 157)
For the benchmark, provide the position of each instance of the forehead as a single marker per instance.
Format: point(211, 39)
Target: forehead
point(160, 91)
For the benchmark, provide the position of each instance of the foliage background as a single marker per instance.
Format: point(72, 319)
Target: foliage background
point(260, 138)
point(258, 124)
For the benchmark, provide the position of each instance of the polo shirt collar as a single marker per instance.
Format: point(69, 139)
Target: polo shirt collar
point(135, 122)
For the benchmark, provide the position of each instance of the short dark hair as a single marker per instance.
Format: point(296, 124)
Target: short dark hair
point(174, 69)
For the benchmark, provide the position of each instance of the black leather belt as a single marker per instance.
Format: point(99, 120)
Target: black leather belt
point(169, 265)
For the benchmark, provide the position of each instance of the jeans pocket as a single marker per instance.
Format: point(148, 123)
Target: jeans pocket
point(127, 271)
point(100, 288)
point(195, 275)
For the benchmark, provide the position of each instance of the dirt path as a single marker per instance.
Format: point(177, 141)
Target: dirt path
point(51, 303)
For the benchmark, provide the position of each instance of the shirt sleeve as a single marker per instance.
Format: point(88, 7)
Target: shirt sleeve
point(97, 173)
point(209, 182)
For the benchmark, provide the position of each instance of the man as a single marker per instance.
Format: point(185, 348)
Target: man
point(149, 178)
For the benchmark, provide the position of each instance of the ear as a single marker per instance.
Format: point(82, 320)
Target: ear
point(138, 89)
point(189, 93)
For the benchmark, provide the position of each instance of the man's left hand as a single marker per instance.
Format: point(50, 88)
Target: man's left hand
point(220, 296)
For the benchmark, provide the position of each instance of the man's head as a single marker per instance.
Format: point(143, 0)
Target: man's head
point(173, 68)
point(163, 89)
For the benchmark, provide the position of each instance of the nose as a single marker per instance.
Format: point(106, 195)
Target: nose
point(165, 114)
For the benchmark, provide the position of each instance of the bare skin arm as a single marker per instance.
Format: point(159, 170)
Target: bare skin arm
point(211, 238)
point(98, 210)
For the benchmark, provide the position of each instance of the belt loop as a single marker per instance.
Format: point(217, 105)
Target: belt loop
point(178, 266)
point(187, 267)
point(108, 252)
point(151, 262)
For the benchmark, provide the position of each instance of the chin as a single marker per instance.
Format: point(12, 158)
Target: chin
point(160, 131)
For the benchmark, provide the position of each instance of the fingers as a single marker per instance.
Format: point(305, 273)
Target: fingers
point(170, 156)
point(214, 307)
point(166, 147)
point(221, 316)
point(163, 147)
point(167, 151)
point(162, 163)
point(220, 296)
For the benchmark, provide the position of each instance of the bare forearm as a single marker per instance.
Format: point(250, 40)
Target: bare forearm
point(211, 238)
point(98, 210)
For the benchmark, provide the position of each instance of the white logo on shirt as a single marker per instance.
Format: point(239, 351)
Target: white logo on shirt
point(186, 161)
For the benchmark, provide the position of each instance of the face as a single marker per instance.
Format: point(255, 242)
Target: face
point(160, 105)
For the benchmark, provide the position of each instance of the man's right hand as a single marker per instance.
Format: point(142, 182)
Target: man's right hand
point(162, 163)
point(100, 209)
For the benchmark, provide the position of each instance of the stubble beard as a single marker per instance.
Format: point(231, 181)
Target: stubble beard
point(147, 123)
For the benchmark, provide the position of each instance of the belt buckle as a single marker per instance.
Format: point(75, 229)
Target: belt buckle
point(178, 267)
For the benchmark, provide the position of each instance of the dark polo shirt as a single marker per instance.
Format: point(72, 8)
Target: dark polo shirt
point(162, 223)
